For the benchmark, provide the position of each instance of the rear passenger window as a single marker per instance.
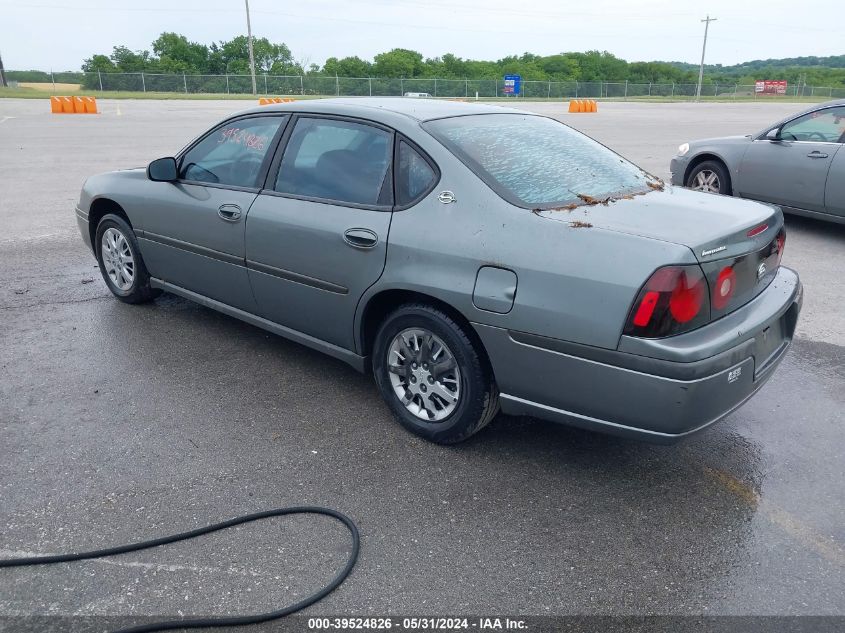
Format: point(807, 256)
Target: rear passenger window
point(231, 154)
point(414, 177)
point(337, 160)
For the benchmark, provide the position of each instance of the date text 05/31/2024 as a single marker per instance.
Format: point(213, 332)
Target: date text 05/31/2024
point(419, 623)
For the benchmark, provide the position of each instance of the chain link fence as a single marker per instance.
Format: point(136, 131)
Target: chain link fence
point(323, 85)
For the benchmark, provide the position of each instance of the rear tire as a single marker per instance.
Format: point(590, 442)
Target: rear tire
point(447, 388)
point(710, 176)
point(120, 261)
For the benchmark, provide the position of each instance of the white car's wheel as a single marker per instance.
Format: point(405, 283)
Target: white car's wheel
point(710, 177)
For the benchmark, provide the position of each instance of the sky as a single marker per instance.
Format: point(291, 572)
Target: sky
point(60, 34)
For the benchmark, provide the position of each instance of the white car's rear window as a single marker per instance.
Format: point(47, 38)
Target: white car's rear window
point(537, 162)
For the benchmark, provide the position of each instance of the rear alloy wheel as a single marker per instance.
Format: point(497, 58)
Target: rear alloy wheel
point(709, 177)
point(434, 377)
point(424, 374)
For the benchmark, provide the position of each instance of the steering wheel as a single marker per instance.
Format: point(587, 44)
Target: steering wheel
point(821, 136)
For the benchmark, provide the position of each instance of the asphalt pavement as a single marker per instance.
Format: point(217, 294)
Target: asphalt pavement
point(119, 423)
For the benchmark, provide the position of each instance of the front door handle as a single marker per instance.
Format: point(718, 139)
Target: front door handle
point(816, 154)
point(229, 212)
point(360, 238)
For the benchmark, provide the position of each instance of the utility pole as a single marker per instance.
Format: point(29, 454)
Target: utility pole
point(249, 44)
point(703, 48)
point(2, 74)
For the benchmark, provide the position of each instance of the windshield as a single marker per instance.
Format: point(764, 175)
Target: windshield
point(537, 162)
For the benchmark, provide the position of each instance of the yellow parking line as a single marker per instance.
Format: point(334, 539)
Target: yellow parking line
point(804, 534)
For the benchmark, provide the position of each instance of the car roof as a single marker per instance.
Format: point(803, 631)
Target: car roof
point(367, 107)
point(826, 104)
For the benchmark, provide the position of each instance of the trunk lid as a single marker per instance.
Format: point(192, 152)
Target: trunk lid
point(722, 232)
point(713, 227)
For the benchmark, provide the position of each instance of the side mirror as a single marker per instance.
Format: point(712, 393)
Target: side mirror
point(163, 170)
point(773, 135)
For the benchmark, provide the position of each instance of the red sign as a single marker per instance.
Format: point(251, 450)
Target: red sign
point(770, 87)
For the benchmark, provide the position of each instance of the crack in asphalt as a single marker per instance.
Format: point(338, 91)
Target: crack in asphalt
point(170, 567)
point(54, 303)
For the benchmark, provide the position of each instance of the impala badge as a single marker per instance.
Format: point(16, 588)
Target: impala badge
point(761, 271)
point(713, 251)
point(446, 197)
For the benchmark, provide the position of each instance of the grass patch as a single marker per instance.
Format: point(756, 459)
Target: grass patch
point(30, 93)
point(50, 88)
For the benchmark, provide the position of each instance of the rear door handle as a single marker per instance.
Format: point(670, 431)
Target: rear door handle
point(816, 154)
point(229, 212)
point(360, 238)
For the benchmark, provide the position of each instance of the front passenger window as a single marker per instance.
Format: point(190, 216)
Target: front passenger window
point(337, 160)
point(827, 126)
point(231, 154)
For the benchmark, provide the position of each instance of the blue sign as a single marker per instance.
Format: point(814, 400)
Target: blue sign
point(512, 84)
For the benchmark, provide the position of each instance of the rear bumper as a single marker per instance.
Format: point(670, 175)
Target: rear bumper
point(658, 397)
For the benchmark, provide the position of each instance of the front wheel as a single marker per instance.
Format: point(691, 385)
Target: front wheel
point(434, 378)
point(120, 261)
point(710, 177)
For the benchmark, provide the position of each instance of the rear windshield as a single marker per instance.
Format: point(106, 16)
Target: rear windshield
point(537, 162)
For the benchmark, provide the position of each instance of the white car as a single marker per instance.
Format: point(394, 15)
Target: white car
point(797, 164)
point(418, 95)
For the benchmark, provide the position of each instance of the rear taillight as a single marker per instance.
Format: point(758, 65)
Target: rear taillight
point(673, 300)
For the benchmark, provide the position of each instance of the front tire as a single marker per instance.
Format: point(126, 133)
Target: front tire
point(710, 176)
point(435, 379)
point(120, 261)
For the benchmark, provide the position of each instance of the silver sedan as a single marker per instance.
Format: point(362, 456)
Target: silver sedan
point(797, 163)
point(471, 257)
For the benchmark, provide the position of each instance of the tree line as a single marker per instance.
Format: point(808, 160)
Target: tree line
point(172, 53)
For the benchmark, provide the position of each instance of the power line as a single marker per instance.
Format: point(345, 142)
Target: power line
point(332, 18)
point(407, 4)
point(487, 9)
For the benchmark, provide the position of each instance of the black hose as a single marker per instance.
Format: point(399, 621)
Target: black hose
point(199, 623)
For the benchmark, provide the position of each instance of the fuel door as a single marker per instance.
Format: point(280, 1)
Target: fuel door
point(495, 289)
